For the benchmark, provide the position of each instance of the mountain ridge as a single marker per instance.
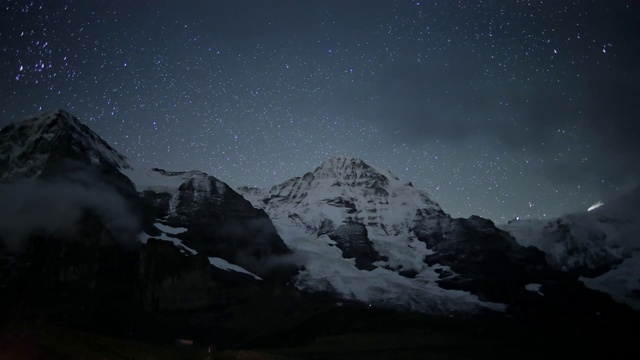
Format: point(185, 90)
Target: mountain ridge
point(346, 229)
point(54, 160)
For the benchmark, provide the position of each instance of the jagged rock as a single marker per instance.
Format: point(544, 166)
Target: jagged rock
point(352, 239)
point(327, 226)
point(218, 222)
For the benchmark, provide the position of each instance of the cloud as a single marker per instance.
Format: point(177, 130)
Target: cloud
point(258, 236)
point(32, 206)
point(593, 116)
point(273, 266)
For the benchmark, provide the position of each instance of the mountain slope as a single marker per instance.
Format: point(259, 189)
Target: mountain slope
point(56, 175)
point(365, 235)
point(216, 220)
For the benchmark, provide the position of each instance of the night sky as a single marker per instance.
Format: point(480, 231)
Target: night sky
point(495, 108)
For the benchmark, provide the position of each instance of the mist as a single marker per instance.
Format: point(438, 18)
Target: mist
point(258, 235)
point(36, 206)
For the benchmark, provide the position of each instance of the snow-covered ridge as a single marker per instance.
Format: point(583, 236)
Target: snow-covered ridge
point(160, 180)
point(27, 145)
point(199, 186)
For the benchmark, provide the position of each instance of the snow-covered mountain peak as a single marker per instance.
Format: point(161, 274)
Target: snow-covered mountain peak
point(28, 147)
point(52, 117)
point(351, 171)
point(344, 187)
point(376, 232)
point(348, 195)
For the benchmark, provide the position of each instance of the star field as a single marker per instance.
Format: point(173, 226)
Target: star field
point(495, 108)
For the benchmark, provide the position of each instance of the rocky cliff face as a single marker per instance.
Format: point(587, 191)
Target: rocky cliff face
point(487, 261)
point(218, 222)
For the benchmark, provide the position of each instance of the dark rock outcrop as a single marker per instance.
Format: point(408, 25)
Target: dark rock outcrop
point(488, 262)
point(219, 222)
point(354, 242)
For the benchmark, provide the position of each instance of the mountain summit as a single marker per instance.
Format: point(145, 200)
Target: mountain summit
point(349, 170)
point(44, 144)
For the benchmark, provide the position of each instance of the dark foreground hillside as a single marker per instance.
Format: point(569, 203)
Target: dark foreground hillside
point(266, 329)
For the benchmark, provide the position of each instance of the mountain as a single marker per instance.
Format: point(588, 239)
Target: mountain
point(38, 147)
point(210, 217)
point(92, 241)
point(365, 235)
point(69, 202)
point(601, 245)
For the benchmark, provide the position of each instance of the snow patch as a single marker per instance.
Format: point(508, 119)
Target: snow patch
point(170, 230)
point(534, 288)
point(227, 266)
point(168, 234)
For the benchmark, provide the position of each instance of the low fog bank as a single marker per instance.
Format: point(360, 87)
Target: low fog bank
point(258, 235)
point(271, 264)
point(31, 206)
